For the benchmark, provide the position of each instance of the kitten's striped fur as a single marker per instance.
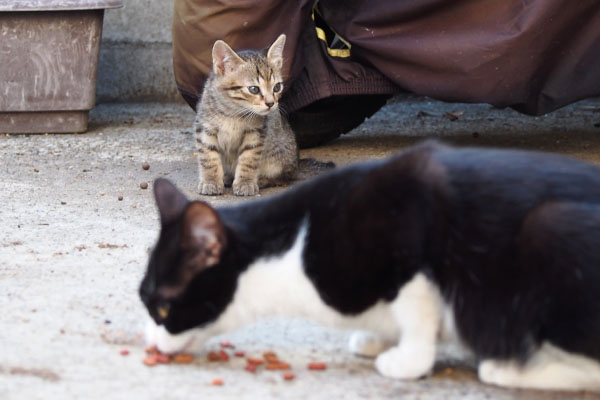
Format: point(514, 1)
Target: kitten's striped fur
point(242, 138)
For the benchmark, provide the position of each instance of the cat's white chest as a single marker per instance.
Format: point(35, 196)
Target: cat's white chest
point(278, 285)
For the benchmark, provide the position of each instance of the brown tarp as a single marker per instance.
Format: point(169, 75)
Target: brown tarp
point(532, 55)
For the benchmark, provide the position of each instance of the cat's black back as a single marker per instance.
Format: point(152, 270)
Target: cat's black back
point(509, 237)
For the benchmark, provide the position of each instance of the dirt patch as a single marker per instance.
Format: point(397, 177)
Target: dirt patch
point(12, 244)
point(112, 246)
point(41, 373)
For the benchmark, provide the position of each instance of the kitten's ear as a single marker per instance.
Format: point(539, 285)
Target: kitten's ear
point(225, 60)
point(171, 202)
point(275, 53)
point(204, 233)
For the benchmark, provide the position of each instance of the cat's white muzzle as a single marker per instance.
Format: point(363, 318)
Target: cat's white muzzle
point(190, 341)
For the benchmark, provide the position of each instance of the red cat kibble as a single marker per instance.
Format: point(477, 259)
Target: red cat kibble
point(288, 376)
point(162, 358)
point(150, 361)
point(280, 365)
point(317, 366)
point(254, 361)
point(270, 356)
point(223, 356)
point(217, 382)
point(151, 350)
point(183, 358)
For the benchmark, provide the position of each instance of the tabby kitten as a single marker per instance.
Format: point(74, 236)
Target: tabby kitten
point(497, 249)
point(242, 137)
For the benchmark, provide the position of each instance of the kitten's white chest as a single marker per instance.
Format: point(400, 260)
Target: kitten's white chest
point(230, 134)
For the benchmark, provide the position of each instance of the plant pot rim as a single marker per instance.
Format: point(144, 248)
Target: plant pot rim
point(57, 5)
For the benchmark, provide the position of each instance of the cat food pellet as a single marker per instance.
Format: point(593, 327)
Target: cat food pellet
point(124, 352)
point(224, 356)
point(226, 344)
point(144, 185)
point(277, 366)
point(145, 166)
point(162, 358)
point(217, 382)
point(212, 356)
point(151, 350)
point(288, 376)
point(317, 366)
point(239, 354)
point(183, 358)
point(120, 198)
point(254, 361)
point(270, 356)
point(150, 361)
point(250, 367)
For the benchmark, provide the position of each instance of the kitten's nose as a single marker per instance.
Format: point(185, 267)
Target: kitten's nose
point(269, 104)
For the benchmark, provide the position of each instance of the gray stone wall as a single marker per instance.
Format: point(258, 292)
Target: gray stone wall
point(135, 62)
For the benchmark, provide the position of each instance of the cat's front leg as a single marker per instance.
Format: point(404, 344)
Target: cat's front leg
point(418, 312)
point(245, 182)
point(211, 168)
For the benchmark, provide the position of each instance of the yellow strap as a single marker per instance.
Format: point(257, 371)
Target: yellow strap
point(342, 53)
point(332, 52)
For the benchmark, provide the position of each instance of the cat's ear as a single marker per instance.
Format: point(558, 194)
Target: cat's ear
point(275, 53)
point(171, 202)
point(225, 60)
point(204, 233)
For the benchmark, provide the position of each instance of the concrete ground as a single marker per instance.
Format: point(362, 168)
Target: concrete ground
point(72, 255)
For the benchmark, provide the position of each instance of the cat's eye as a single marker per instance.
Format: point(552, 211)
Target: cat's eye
point(277, 87)
point(254, 89)
point(163, 309)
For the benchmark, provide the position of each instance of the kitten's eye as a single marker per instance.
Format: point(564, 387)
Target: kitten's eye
point(277, 87)
point(254, 89)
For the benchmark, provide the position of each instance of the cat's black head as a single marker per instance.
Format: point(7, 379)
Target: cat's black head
point(188, 282)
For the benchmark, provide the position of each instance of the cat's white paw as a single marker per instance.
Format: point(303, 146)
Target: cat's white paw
point(498, 373)
point(366, 344)
point(211, 188)
point(245, 188)
point(404, 362)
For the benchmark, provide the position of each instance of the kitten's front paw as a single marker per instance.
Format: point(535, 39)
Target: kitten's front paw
point(366, 344)
point(211, 188)
point(404, 363)
point(245, 188)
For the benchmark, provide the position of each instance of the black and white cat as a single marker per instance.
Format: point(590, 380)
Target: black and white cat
point(500, 247)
